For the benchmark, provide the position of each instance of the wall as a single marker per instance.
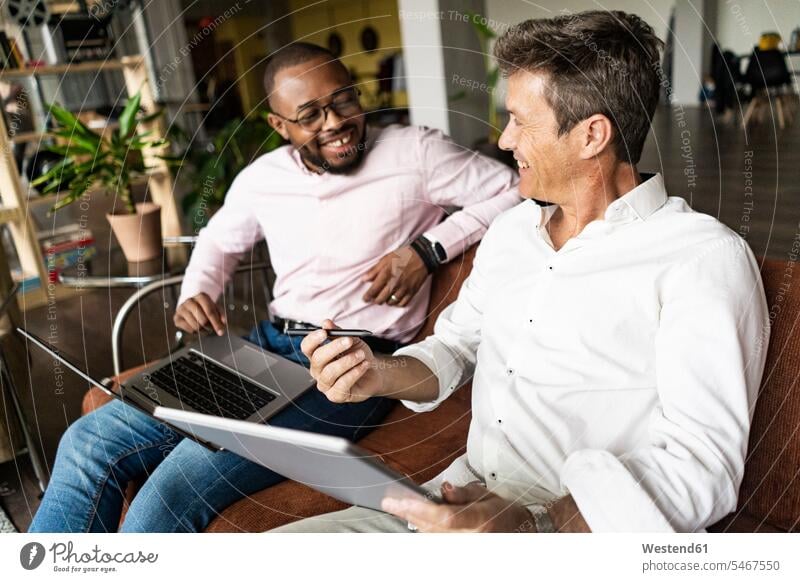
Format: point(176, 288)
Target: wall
point(312, 21)
point(741, 22)
point(245, 33)
point(504, 13)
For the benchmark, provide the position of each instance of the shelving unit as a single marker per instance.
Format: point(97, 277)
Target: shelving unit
point(15, 203)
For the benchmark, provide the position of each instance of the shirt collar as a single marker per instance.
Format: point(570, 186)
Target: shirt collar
point(642, 201)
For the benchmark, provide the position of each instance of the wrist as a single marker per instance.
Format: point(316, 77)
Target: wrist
point(527, 523)
point(566, 516)
point(431, 253)
point(378, 366)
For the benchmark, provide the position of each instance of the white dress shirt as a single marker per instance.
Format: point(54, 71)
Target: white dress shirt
point(621, 369)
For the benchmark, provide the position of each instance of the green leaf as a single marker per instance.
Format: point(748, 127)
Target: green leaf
point(480, 27)
point(151, 117)
point(457, 96)
point(127, 119)
point(69, 122)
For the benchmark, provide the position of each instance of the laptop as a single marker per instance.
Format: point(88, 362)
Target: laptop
point(219, 375)
point(329, 464)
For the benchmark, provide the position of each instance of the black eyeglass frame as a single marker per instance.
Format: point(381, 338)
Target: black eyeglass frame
point(332, 105)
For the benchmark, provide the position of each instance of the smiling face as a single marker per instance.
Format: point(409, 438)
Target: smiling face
point(545, 160)
point(337, 146)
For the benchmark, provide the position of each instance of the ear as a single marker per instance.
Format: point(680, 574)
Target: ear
point(278, 125)
point(596, 135)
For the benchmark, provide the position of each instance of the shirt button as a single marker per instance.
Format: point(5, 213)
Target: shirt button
point(493, 475)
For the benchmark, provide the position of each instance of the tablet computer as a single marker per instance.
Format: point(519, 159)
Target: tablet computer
point(329, 464)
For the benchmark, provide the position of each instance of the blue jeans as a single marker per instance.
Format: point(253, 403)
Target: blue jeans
point(187, 485)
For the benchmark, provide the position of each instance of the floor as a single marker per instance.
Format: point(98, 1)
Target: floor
point(749, 180)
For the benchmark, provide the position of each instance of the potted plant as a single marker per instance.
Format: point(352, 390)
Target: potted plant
point(114, 164)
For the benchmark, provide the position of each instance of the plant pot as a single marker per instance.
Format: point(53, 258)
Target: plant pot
point(139, 234)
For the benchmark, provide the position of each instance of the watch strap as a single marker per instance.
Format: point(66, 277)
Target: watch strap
point(423, 247)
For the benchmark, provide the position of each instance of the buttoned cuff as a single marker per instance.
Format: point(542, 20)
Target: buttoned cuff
point(608, 496)
point(442, 362)
point(452, 236)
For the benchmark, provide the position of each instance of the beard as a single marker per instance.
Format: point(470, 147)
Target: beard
point(353, 161)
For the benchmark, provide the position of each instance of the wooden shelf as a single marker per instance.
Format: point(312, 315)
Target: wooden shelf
point(14, 200)
point(67, 68)
point(28, 136)
point(86, 67)
point(8, 214)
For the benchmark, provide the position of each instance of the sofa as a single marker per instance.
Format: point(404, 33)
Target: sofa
point(422, 445)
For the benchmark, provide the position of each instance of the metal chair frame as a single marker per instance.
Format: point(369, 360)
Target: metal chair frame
point(167, 283)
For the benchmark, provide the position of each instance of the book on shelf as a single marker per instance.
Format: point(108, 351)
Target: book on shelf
point(66, 247)
point(62, 248)
point(8, 57)
point(17, 53)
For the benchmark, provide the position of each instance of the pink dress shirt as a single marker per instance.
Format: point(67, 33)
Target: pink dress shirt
point(324, 231)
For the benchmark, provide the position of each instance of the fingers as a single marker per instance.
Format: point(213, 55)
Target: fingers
point(337, 369)
point(185, 319)
point(183, 324)
point(212, 313)
point(342, 390)
point(313, 341)
point(426, 516)
point(326, 353)
point(470, 493)
point(387, 291)
point(372, 273)
point(399, 296)
point(199, 312)
point(378, 284)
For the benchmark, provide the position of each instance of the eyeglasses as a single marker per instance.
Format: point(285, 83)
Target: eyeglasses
point(312, 117)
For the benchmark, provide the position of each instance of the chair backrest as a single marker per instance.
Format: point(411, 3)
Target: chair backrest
point(447, 281)
point(767, 69)
point(770, 490)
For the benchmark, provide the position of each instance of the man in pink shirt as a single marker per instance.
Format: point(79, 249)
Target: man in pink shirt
point(355, 220)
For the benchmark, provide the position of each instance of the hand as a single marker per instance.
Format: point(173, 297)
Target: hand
point(396, 278)
point(466, 509)
point(345, 368)
point(199, 312)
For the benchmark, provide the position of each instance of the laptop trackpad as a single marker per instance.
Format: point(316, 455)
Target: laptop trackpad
point(248, 361)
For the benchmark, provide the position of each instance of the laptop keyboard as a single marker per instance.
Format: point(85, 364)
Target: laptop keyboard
point(210, 388)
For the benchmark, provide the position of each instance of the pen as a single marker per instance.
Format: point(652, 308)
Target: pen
point(303, 331)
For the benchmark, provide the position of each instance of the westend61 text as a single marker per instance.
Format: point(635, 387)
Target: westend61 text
point(675, 549)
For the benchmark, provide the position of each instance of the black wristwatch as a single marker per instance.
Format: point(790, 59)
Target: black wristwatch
point(431, 253)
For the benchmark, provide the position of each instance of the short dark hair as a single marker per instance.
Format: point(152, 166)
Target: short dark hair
point(597, 61)
point(291, 55)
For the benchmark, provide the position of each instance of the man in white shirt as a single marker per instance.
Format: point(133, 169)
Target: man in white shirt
point(617, 338)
